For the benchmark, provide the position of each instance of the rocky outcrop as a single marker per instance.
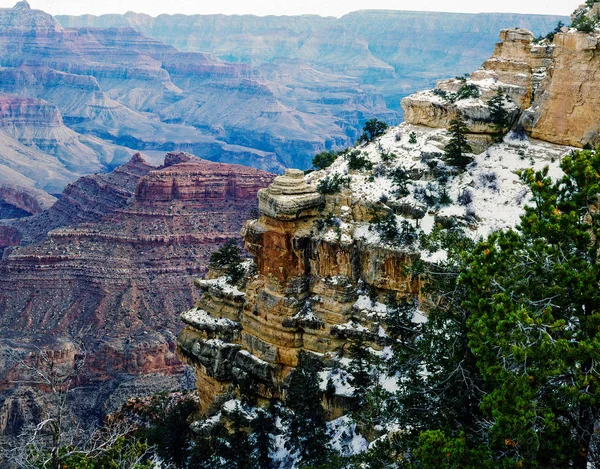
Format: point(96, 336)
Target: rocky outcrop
point(516, 66)
point(87, 200)
point(552, 88)
point(289, 197)
point(29, 200)
point(115, 266)
point(303, 296)
point(565, 109)
point(326, 270)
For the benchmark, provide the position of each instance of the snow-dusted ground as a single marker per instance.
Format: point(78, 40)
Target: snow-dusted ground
point(199, 317)
point(497, 196)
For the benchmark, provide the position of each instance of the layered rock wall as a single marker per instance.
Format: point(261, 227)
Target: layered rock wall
point(302, 297)
point(552, 86)
point(109, 267)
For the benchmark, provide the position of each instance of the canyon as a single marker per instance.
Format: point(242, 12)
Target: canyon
point(105, 271)
point(82, 94)
point(327, 269)
point(106, 267)
point(393, 52)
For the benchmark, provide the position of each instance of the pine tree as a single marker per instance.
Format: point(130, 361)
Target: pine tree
point(499, 114)
point(535, 324)
point(262, 437)
point(521, 331)
point(458, 145)
point(324, 159)
point(373, 128)
point(307, 422)
point(228, 258)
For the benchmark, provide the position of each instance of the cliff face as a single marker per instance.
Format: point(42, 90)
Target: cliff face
point(110, 265)
point(394, 52)
point(552, 89)
point(118, 88)
point(326, 266)
point(325, 270)
point(39, 125)
point(565, 109)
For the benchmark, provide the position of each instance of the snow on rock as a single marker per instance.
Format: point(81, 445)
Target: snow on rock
point(345, 438)
point(488, 196)
point(221, 284)
point(369, 308)
point(339, 379)
point(201, 319)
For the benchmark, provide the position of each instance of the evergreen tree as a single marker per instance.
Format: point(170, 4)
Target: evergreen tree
point(360, 368)
point(228, 258)
point(517, 337)
point(238, 450)
point(307, 424)
point(262, 437)
point(324, 159)
point(535, 324)
point(369, 399)
point(458, 145)
point(169, 429)
point(499, 114)
point(373, 128)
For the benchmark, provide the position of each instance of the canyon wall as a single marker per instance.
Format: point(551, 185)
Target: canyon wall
point(327, 269)
point(107, 269)
point(552, 90)
point(393, 52)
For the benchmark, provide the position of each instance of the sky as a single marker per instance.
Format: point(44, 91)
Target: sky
point(293, 7)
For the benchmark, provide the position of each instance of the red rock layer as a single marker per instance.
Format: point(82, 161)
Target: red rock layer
point(119, 283)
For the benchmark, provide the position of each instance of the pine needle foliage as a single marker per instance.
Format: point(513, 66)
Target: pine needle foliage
point(458, 146)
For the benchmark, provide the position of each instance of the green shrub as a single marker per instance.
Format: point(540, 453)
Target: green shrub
point(357, 161)
point(458, 146)
point(412, 138)
point(228, 258)
point(324, 159)
point(584, 24)
point(386, 157)
point(332, 184)
point(373, 128)
point(467, 91)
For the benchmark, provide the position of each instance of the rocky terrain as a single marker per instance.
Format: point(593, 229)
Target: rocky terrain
point(393, 52)
point(107, 268)
point(332, 247)
point(81, 97)
point(78, 101)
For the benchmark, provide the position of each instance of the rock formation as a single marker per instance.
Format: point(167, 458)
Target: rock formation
point(100, 92)
point(327, 265)
point(323, 271)
point(565, 109)
point(552, 89)
point(111, 263)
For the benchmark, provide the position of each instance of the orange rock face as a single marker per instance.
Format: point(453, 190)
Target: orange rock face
point(303, 296)
point(565, 110)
